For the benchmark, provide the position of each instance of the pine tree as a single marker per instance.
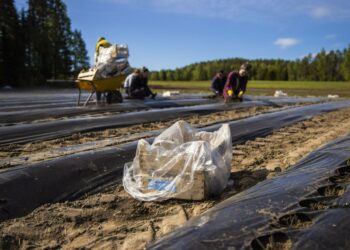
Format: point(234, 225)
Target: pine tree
point(199, 73)
point(49, 40)
point(154, 76)
point(23, 41)
point(80, 58)
point(59, 34)
point(10, 50)
point(40, 51)
point(321, 65)
point(345, 65)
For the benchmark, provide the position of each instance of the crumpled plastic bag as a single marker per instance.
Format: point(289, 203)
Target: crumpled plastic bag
point(112, 61)
point(112, 53)
point(167, 168)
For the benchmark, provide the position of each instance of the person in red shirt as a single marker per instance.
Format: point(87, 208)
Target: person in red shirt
point(236, 83)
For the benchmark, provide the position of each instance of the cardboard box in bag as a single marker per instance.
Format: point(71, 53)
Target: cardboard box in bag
point(199, 190)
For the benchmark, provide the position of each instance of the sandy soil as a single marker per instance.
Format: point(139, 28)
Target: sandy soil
point(114, 220)
point(17, 154)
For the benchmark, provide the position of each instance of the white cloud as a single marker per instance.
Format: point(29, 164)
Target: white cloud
point(330, 36)
point(320, 12)
point(286, 42)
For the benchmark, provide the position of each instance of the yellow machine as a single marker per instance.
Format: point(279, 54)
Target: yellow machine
point(107, 88)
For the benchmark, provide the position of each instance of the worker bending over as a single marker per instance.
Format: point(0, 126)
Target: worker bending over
point(218, 83)
point(139, 86)
point(236, 83)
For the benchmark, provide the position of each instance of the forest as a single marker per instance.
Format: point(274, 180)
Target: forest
point(324, 66)
point(38, 44)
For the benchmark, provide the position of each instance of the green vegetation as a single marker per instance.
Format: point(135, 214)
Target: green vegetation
point(325, 66)
point(260, 85)
point(181, 84)
point(38, 44)
point(293, 88)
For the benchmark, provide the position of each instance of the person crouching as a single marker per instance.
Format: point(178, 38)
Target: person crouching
point(139, 86)
point(129, 80)
point(236, 84)
point(218, 83)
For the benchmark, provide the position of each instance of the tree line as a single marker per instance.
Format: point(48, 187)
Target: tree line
point(38, 43)
point(324, 66)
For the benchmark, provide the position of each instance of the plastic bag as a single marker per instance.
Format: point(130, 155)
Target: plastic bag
point(168, 168)
point(112, 53)
point(112, 61)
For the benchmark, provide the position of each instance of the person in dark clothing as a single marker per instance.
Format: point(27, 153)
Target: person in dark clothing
point(236, 83)
point(218, 83)
point(144, 82)
point(129, 79)
point(139, 86)
point(135, 89)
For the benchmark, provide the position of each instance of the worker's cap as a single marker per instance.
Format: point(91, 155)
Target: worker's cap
point(101, 38)
point(144, 69)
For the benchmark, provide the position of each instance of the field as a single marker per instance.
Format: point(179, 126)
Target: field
point(61, 171)
point(299, 88)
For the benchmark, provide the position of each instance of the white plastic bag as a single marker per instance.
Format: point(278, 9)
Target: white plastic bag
point(112, 53)
point(167, 168)
point(279, 93)
point(112, 61)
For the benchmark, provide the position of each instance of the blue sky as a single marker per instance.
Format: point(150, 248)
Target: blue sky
point(164, 34)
